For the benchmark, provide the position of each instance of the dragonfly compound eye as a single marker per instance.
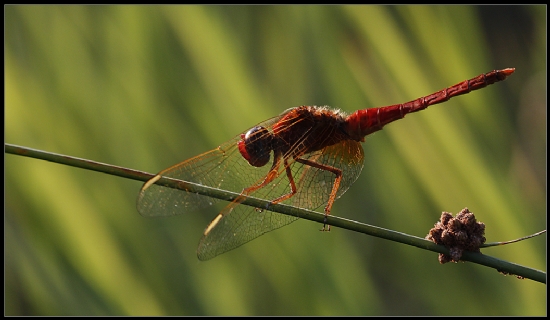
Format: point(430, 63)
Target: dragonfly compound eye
point(256, 145)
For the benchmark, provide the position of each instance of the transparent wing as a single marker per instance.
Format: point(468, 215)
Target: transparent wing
point(238, 224)
point(315, 185)
point(222, 168)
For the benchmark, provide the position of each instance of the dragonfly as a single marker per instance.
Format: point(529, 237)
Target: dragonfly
point(306, 157)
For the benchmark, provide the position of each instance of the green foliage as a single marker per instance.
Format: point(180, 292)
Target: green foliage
point(148, 86)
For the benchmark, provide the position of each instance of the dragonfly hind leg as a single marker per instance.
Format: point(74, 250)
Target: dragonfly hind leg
point(335, 186)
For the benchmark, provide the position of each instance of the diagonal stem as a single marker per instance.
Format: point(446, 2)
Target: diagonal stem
point(500, 265)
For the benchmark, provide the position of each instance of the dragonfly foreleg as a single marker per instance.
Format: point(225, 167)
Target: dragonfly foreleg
point(293, 189)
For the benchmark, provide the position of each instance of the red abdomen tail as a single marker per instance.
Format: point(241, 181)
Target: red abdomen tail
point(363, 122)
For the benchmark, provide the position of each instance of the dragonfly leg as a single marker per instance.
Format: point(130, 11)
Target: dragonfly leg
point(293, 189)
point(335, 186)
point(271, 175)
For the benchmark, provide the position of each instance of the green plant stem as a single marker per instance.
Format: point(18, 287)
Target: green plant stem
point(500, 265)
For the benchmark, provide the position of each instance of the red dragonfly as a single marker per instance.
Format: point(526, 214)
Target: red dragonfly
point(315, 156)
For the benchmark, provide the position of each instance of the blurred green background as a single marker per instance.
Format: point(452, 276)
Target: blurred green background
point(146, 87)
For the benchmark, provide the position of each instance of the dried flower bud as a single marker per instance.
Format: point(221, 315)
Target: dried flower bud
point(460, 233)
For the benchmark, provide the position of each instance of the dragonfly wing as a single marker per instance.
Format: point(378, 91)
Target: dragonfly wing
point(223, 168)
point(237, 225)
point(314, 185)
point(207, 169)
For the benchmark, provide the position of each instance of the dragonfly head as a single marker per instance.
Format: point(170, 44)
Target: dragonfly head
point(256, 145)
